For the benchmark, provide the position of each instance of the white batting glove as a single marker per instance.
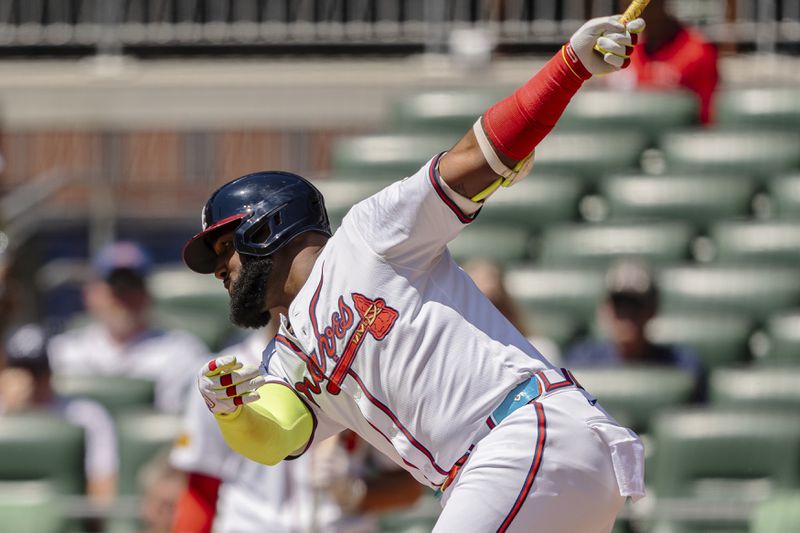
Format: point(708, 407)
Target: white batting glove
point(227, 384)
point(604, 45)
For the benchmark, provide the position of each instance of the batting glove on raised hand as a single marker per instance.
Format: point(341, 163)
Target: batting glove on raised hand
point(604, 45)
point(226, 384)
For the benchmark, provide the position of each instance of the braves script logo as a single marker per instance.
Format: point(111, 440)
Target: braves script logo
point(375, 319)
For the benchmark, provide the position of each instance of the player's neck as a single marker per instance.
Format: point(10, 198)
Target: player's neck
point(305, 254)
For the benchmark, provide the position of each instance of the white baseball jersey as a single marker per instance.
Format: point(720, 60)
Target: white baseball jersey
point(254, 497)
point(389, 337)
point(91, 351)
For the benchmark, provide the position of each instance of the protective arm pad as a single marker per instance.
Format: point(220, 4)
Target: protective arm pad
point(269, 429)
point(517, 124)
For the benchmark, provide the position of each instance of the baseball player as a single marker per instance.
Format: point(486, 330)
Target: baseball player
point(324, 490)
point(381, 332)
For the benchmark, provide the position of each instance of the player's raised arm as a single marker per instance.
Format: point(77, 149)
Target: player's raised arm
point(499, 148)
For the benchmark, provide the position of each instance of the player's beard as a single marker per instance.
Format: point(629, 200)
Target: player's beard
point(249, 291)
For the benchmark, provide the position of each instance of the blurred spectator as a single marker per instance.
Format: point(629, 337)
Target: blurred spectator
point(488, 277)
point(325, 489)
point(631, 302)
point(25, 385)
point(120, 340)
point(160, 486)
point(7, 292)
point(670, 56)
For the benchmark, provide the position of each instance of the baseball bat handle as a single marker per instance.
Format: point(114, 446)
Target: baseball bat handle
point(634, 10)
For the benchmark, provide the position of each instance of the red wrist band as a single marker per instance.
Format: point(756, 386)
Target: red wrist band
point(517, 124)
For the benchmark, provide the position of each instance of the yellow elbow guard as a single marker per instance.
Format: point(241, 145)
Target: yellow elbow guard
point(270, 428)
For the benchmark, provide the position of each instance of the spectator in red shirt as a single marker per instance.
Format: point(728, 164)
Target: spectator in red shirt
point(671, 55)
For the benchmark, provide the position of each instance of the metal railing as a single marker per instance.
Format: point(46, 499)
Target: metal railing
point(113, 25)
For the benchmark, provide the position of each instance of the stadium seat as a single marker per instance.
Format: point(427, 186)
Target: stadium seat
point(647, 112)
point(387, 158)
point(115, 393)
point(770, 242)
point(455, 111)
point(452, 112)
point(572, 291)
point(768, 388)
point(342, 194)
point(191, 302)
point(777, 514)
point(30, 507)
point(725, 459)
point(589, 155)
point(698, 199)
point(601, 244)
point(760, 154)
point(768, 107)
point(41, 446)
point(784, 191)
point(141, 435)
point(534, 202)
point(751, 291)
point(718, 339)
point(560, 327)
point(635, 395)
point(783, 332)
point(504, 244)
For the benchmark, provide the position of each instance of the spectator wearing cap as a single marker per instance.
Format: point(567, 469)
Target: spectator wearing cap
point(120, 340)
point(630, 303)
point(25, 386)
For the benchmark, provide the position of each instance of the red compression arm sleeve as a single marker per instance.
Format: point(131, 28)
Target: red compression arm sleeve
point(517, 124)
point(197, 505)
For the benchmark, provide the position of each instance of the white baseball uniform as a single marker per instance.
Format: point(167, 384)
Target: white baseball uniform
point(253, 497)
point(390, 338)
point(91, 351)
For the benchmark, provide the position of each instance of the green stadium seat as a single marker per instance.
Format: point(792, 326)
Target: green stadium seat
point(589, 155)
point(767, 388)
point(769, 242)
point(534, 202)
point(636, 394)
point(503, 244)
point(42, 446)
point(784, 192)
point(387, 157)
point(759, 107)
point(194, 303)
point(783, 332)
point(453, 111)
point(141, 436)
point(571, 291)
point(698, 199)
point(646, 112)
point(601, 244)
point(750, 291)
point(30, 507)
point(114, 393)
point(718, 339)
point(760, 154)
point(559, 327)
point(342, 194)
point(778, 514)
point(419, 518)
point(695, 447)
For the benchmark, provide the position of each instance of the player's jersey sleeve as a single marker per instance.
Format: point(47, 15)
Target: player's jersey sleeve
point(409, 222)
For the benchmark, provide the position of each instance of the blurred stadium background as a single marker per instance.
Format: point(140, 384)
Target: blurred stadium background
point(118, 117)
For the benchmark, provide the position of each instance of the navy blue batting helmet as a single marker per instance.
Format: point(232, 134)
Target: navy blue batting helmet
point(266, 210)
